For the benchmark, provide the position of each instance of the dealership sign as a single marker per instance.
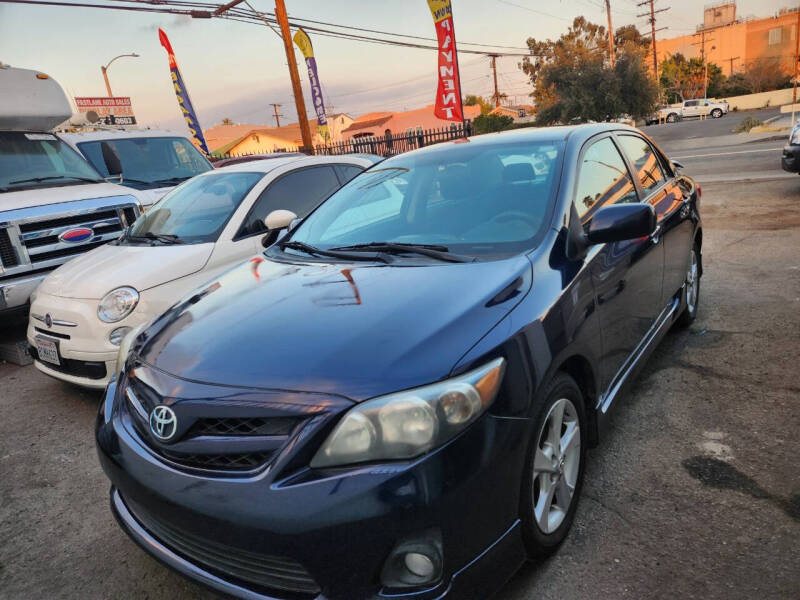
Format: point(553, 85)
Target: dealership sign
point(448, 93)
point(110, 111)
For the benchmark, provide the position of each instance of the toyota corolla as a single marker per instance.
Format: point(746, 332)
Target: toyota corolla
point(396, 399)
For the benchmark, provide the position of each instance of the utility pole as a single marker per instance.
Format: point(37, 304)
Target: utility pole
point(702, 44)
point(277, 116)
point(651, 17)
point(796, 61)
point(496, 96)
point(302, 118)
point(610, 34)
point(732, 58)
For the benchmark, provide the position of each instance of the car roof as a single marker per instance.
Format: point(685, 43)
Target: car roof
point(118, 134)
point(302, 160)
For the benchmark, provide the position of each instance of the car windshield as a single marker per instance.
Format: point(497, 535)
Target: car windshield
point(38, 160)
point(196, 211)
point(150, 162)
point(473, 199)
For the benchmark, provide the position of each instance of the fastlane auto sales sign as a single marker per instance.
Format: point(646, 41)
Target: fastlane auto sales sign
point(112, 111)
point(448, 94)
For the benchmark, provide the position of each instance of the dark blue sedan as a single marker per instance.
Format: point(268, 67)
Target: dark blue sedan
point(396, 399)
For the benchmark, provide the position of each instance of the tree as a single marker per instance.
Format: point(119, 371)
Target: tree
point(489, 123)
point(473, 100)
point(573, 79)
point(766, 74)
point(735, 85)
point(629, 33)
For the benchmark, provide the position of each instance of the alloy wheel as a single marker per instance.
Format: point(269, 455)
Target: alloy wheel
point(556, 465)
point(692, 283)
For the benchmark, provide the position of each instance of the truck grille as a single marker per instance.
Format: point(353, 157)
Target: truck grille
point(30, 238)
point(8, 256)
point(273, 573)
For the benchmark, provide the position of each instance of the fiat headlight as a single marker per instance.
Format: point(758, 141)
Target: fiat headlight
point(406, 424)
point(117, 304)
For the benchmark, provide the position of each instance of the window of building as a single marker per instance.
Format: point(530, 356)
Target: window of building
point(603, 179)
point(775, 36)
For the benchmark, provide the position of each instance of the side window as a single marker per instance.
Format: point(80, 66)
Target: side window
point(690, 103)
point(299, 191)
point(645, 161)
point(347, 172)
point(603, 179)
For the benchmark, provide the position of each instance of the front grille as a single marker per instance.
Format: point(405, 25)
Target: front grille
point(220, 462)
point(244, 426)
point(77, 368)
point(71, 220)
point(8, 256)
point(272, 573)
point(65, 252)
point(62, 336)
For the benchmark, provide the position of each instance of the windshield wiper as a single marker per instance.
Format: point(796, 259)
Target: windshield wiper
point(164, 238)
point(52, 177)
point(431, 250)
point(308, 249)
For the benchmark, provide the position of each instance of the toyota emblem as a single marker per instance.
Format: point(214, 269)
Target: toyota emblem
point(48, 320)
point(163, 422)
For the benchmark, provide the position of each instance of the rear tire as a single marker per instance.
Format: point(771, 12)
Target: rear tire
point(672, 117)
point(691, 290)
point(553, 476)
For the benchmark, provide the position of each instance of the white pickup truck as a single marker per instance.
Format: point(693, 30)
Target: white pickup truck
point(54, 205)
point(698, 107)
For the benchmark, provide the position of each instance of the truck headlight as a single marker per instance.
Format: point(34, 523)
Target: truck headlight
point(117, 304)
point(406, 424)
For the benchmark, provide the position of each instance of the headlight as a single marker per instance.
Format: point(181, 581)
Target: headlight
point(116, 336)
point(406, 424)
point(126, 344)
point(117, 304)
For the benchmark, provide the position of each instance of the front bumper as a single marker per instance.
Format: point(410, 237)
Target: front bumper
point(790, 159)
point(342, 525)
point(15, 292)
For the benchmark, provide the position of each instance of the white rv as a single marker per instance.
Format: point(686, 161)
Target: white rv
point(53, 204)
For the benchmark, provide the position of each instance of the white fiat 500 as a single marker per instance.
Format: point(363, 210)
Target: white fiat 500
point(81, 312)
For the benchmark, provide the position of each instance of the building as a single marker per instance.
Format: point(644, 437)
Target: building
point(735, 43)
point(337, 123)
point(378, 124)
point(222, 135)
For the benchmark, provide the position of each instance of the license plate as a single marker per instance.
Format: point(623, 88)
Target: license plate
point(47, 350)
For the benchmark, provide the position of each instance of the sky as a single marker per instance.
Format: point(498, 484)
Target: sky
point(237, 70)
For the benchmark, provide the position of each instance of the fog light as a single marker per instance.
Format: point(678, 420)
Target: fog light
point(419, 565)
point(116, 336)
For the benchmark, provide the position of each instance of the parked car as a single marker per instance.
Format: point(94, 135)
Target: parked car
point(152, 162)
point(700, 107)
point(81, 312)
point(790, 159)
point(235, 160)
point(395, 400)
point(54, 205)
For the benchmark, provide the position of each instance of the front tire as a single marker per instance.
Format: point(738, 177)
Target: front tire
point(553, 476)
point(716, 113)
point(672, 117)
point(691, 289)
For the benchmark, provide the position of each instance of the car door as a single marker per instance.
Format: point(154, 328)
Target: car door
point(626, 275)
point(659, 186)
point(691, 108)
point(299, 191)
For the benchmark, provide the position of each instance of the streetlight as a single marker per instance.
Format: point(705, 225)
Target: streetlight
point(104, 70)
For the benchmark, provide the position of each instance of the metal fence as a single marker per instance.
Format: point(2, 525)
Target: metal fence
point(386, 145)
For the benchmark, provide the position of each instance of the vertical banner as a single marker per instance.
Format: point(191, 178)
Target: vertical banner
point(448, 94)
point(182, 94)
point(304, 43)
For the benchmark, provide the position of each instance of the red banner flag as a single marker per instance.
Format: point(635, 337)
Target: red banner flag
point(448, 93)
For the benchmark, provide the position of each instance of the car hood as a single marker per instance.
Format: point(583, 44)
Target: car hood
point(357, 330)
point(55, 194)
point(94, 274)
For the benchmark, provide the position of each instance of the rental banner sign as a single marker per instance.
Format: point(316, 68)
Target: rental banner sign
point(182, 94)
point(304, 43)
point(448, 94)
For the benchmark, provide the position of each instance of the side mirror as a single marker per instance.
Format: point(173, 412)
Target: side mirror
point(620, 222)
point(677, 165)
point(279, 219)
point(111, 159)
